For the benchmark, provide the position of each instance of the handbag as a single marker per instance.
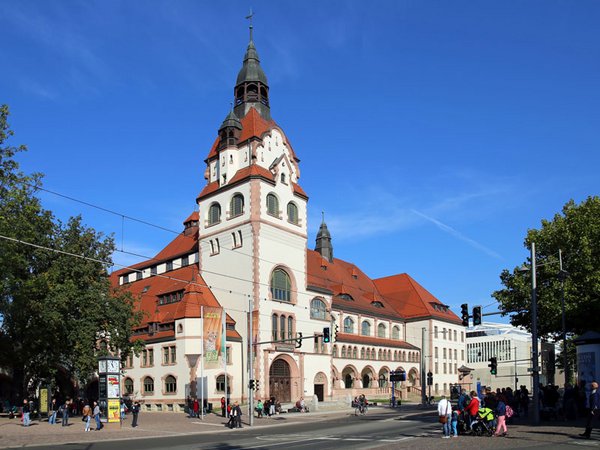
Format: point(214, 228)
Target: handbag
point(443, 419)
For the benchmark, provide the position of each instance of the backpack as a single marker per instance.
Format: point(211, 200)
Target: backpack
point(509, 411)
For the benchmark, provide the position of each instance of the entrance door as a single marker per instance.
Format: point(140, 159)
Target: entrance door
point(279, 381)
point(319, 391)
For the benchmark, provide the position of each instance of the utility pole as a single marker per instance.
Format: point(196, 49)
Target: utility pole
point(563, 275)
point(423, 384)
point(534, 340)
point(250, 364)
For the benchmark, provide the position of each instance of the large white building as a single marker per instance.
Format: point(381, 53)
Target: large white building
point(246, 250)
point(511, 347)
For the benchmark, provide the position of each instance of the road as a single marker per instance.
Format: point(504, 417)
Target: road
point(380, 428)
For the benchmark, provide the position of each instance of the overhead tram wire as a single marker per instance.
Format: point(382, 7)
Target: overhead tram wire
point(160, 227)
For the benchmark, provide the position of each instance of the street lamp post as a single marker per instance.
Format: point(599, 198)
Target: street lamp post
point(562, 275)
point(534, 340)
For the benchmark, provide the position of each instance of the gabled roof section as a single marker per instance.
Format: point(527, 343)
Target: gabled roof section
point(252, 171)
point(345, 279)
point(253, 125)
point(348, 338)
point(412, 300)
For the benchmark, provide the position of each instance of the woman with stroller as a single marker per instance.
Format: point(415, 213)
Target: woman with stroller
point(472, 408)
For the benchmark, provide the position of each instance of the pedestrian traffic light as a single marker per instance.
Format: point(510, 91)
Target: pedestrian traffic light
point(476, 315)
point(251, 385)
point(493, 365)
point(335, 336)
point(326, 336)
point(429, 379)
point(464, 314)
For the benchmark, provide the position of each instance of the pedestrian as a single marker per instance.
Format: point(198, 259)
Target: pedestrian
point(87, 416)
point(593, 409)
point(472, 408)
point(26, 411)
point(122, 406)
point(272, 406)
point(454, 423)
point(259, 408)
point(223, 407)
point(501, 414)
point(53, 412)
point(444, 412)
point(196, 408)
point(64, 410)
point(236, 413)
point(135, 410)
point(96, 413)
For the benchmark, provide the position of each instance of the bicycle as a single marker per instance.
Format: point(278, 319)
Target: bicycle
point(360, 410)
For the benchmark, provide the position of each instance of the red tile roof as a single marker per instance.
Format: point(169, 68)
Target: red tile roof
point(253, 171)
point(193, 217)
point(213, 150)
point(253, 125)
point(412, 300)
point(299, 191)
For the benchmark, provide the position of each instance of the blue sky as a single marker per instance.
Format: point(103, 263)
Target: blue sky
point(432, 133)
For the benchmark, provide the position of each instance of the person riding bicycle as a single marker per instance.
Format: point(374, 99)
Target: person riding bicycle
point(362, 402)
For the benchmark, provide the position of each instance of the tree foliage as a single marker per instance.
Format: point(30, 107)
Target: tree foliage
point(575, 231)
point(56, 306)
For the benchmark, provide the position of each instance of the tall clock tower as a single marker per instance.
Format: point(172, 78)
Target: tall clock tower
point(253, 221)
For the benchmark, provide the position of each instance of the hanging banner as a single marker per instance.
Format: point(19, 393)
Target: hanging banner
point(212, 335)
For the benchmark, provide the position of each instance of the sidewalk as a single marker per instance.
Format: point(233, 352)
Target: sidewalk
point(150, 424)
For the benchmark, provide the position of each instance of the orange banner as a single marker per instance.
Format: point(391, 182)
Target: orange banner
point(212, 334)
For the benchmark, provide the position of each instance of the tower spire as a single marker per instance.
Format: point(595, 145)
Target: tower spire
point(249, 17)
point(323, 244)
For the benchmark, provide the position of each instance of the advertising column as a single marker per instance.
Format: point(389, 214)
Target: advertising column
point(109, 388)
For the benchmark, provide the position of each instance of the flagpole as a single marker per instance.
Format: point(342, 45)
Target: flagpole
point(224, 355)
point(202, 361)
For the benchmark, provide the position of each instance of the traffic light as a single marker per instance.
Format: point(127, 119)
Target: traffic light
point(326, 336)
point(493, 365)
point(335, 336)
point(251, 385)
point(429, 379)
point(476, 315)
point(299, 340)
point(464, 314)
point(256, 388)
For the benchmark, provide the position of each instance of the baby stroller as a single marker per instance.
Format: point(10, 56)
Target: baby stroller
point(462, 423)
point(484, 422)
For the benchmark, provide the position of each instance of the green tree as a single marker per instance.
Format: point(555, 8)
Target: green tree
point(57, 308)
point(575, 231)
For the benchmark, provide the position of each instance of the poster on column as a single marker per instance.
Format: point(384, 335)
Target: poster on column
point(114, 410)
point(212, 336)
point(113, 386)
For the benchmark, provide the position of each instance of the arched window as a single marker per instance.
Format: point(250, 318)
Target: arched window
point(236, 207)
point(348, 325)
point(343, 351)
point(354, 353)
point(128, 386)
point(148, 385)
point(282, 327)
point(318, 309)
point(281, 285)
point(170, 384)
point(274, 323)
point(214, 214)
point(362, 353)
point(292, 212)
point(272, 205)
point(396, 332)
point(365, 329)
point(381, 330)
point(221, 383)
point(290, 327)
point(379, 355)
point(334, 351)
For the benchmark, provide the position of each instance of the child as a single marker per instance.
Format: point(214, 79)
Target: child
point(454, 423)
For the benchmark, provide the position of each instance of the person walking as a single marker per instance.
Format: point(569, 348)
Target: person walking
point(444, 412)
point(454, 423)
point(237, 415)
point(472, 408)
point(135, 410)
point(87, 416)
point(196, 408)
point(223, 407)
point(259, 408)
point(593, 410)
point(501, 414)
point(26, 411)
point(64, 409)
point(272, 406)
point(53, 412)
point(96, 413)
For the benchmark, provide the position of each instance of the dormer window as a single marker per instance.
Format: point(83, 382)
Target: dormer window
point(171, 297)
point(346, 297)
point(377, 304)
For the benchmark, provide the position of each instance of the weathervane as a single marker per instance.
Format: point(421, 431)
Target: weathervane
point(249, 17)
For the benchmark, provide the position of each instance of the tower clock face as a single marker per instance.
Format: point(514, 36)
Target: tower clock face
point(112, 365)
point(102, 366)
